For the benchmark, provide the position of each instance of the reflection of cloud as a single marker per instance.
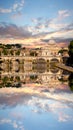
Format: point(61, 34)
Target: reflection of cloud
point(14, 96)
point(14, 124)
point(38, 102)
point(17, 115)
point(63, 117)
point(57, 108)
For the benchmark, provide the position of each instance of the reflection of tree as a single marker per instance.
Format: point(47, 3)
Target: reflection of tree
point(33, 77)
point(17, 78)
point(8, 65)
point(70, 81)
point(10, 81)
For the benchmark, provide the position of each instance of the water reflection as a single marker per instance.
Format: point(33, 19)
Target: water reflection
point(40, 77)
point(70, 81)
point(35, 97)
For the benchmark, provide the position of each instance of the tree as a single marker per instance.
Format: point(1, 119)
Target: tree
point(61, 51)
point(70, 47)
point(8, 46)
point(18, 45)
point(33, 53)
point(11, 52)
point(5, 51)
point(17, 52)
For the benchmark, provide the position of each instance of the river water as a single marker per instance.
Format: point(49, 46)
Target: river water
point(36, 99)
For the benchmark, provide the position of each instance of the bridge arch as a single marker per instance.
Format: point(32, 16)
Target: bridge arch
point(54, 60)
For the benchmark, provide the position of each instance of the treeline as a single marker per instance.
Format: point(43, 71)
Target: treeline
point(10, 46)
point(8, 49)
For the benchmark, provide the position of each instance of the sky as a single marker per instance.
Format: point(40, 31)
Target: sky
point(36, 22)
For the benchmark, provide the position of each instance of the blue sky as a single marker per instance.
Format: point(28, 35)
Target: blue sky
point(36, 21)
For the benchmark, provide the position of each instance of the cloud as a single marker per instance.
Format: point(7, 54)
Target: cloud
point(69, 27)
point(43, 31)
point(37, 20)
point(62, 34)
point(50, 26)
point(63, 14)
point(14, 8)
point(13, 31)
point(17, 15)
point(53, 23)
point(18, 6)
point(5, 10)
point(62, 41)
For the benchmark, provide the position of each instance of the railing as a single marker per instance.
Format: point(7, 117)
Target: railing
point(64, 67)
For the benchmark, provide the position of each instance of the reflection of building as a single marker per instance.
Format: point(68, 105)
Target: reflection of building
point(45, 79)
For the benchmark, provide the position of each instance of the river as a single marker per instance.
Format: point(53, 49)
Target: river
point(37, 99)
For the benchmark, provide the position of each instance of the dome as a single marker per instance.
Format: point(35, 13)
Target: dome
point(52, 42)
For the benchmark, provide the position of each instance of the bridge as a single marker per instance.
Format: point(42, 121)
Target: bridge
point(64, 67)
point(31, 58)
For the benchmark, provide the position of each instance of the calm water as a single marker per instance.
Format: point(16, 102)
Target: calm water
point(36, 100)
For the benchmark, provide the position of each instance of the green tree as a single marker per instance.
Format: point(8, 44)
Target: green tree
point(8, 46)
point(62, 50)
point(0, 53)
point(5, 51)
point(11, 52)
point(17, 52)
point(33, 54)
point(70, 47)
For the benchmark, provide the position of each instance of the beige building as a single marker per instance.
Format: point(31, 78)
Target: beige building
point(50, 50)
